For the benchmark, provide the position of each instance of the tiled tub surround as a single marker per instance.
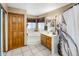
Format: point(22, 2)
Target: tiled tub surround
point(30, 50)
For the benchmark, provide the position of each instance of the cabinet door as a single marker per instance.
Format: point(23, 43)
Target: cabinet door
point(43, 40)
point(49, 43)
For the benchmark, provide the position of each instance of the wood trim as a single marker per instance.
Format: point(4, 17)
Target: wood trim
point(3, 8)
point(15, 13)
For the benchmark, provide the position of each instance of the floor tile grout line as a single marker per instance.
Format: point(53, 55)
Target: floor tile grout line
point(38, 49)
point(17, 52)
point(9, 51)
point(12, 51)
point(31, 51)
point(22, 52)
point(42, 50)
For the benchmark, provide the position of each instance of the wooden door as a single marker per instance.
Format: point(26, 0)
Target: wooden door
point(16, 31)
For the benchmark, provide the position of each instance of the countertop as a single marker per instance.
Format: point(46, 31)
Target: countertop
point(48, 34)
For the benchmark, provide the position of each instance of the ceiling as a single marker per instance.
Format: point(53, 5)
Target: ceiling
point(36, 9)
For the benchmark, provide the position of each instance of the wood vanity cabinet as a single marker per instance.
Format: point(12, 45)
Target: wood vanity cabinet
point(46, 41)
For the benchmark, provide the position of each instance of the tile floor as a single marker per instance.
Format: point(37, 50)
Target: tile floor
point(30, 50)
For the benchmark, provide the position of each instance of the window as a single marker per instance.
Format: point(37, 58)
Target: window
point(31, 26)
point(41, 26)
